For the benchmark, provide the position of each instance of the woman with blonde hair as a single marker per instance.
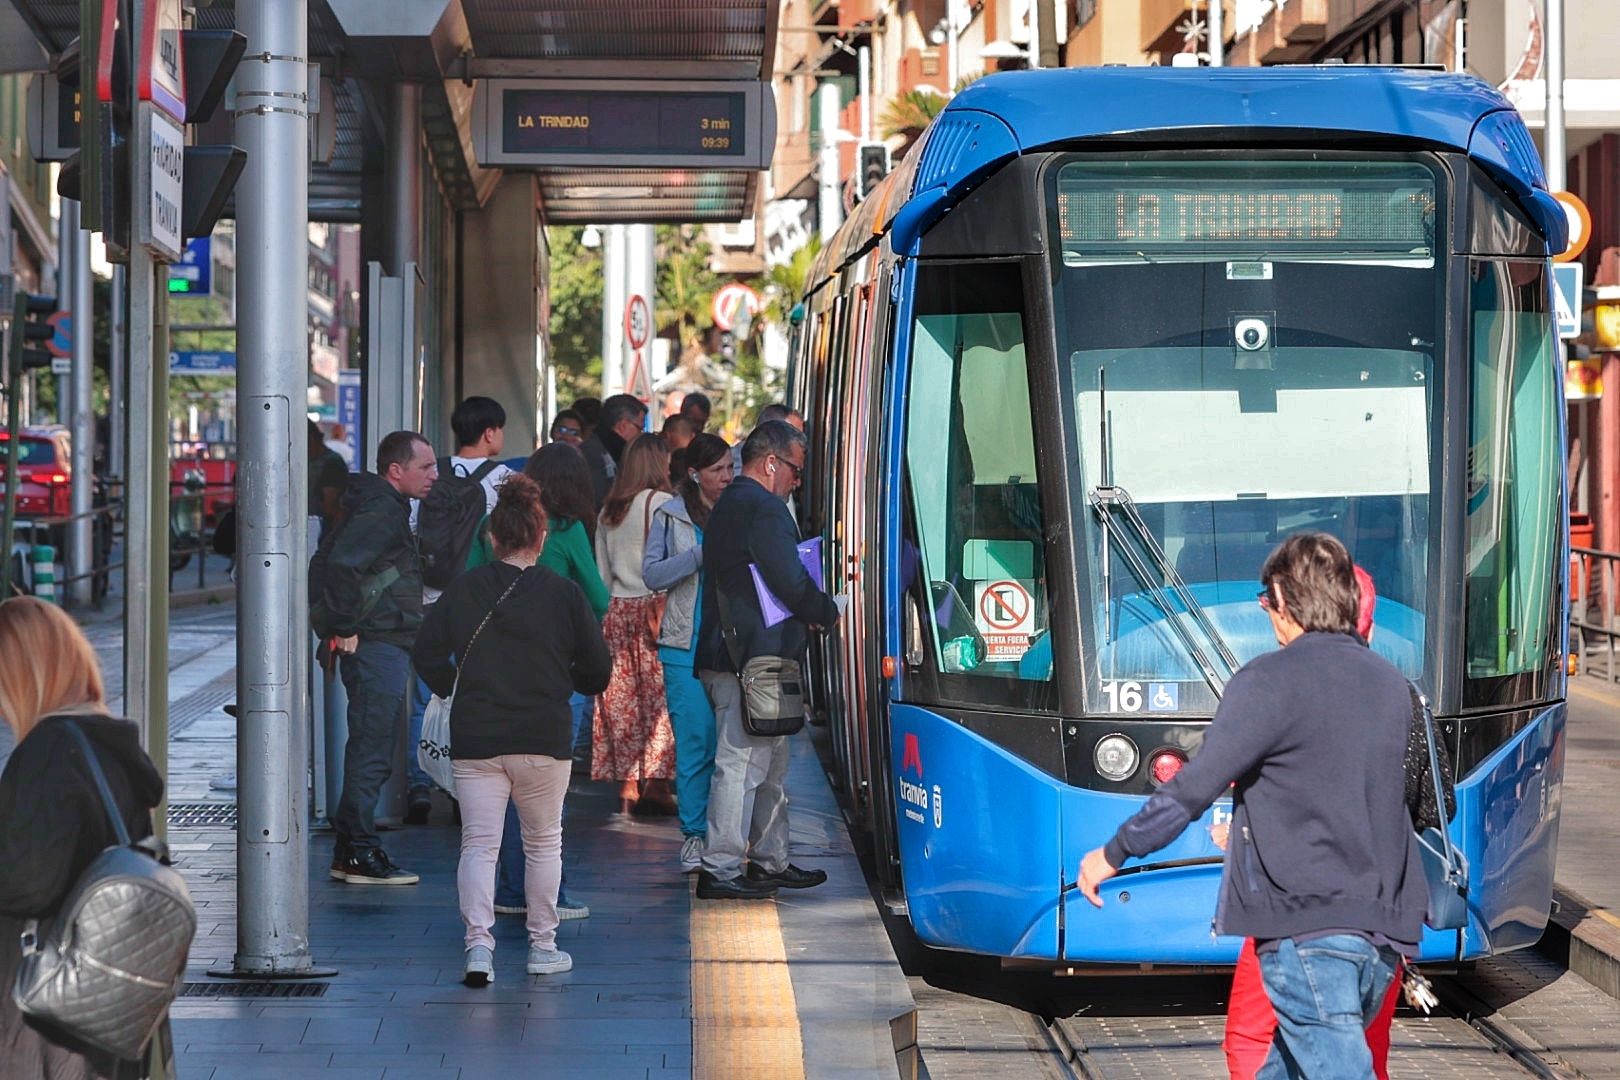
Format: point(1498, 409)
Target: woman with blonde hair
point(631, 740)
point(52, 821)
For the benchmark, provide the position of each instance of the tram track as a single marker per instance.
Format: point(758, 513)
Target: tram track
point(1158, 1027)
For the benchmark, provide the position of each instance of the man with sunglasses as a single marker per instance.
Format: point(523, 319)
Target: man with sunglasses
point(751, 529)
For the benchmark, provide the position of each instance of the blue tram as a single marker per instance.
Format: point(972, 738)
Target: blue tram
point(1101, 341)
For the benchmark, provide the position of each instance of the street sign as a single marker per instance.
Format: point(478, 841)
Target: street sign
point(61, 365)
point(639, 385)
point(733, 304)
point(637, 322)
point(348, 412)
point(202, 363)
point(536, 123)
point(1580, 225)
point(163, 144)
point(160, 76)
point(1569, 278)
point(193, 275)
point(61, 342)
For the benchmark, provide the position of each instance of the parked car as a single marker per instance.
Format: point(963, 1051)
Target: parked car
point(44, 490)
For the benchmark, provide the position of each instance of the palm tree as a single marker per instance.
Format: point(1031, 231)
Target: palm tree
point(786, 282)
point(908, 113)
point(686, 288)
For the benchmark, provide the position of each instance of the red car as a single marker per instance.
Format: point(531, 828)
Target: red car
point(44, 469)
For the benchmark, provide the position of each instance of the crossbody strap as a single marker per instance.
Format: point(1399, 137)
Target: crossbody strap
point(1434, 774)
point(108, 803)
point(728, 629)
point(461, 665)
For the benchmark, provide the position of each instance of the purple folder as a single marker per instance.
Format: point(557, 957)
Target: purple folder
point(773, 609)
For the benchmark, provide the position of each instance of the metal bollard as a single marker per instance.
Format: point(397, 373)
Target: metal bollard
point(44, 560)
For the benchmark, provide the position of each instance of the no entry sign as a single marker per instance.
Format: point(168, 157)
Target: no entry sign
point(1005, 614)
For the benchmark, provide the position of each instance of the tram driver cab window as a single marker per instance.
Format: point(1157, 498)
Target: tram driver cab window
point(970, 453)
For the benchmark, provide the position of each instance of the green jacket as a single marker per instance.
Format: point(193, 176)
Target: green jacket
point(567, 552)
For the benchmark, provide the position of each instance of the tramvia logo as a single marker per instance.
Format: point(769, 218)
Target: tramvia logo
point(913, 796)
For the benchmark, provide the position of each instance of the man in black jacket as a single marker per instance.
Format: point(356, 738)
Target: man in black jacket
point(371, 590)
point(622, 418)
point(750, 525)
point(1322, 867)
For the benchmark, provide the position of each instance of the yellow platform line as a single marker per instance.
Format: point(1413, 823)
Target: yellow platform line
point(745, 1021)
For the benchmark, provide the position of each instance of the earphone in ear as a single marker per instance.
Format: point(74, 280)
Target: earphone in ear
point(693, 475)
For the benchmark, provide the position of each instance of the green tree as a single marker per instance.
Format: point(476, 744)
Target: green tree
point(576, 313)
point(785, 285)
point(686, 288)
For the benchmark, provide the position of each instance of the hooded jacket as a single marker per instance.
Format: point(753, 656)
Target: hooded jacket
point(371, 585)
point(671, 565)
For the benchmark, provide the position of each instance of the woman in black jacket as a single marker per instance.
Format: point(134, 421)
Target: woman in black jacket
point(525, 639)
point(52, 822)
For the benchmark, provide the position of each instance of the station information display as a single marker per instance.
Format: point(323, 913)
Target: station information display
point(558, 122)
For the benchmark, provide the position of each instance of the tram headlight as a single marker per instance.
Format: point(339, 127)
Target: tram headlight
point(1116, 757)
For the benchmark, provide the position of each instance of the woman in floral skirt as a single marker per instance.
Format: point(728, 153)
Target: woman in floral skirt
point(632, 741)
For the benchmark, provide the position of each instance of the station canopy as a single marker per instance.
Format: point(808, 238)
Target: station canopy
point(451, 46)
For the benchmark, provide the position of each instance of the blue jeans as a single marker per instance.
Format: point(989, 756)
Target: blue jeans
point(692, 717)
point(584, 712)
point(414, 776)
point(375, 677)
point(1325, 992)
point(510, 865)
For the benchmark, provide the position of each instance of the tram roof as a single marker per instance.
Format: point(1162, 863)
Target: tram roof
point(1002, 116)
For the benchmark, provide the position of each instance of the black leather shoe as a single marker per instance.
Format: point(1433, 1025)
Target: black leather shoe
point(418, 805)
point(710, 887)
point(789, 877)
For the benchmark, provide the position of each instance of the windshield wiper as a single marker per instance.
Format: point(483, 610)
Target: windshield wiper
point(1109, 499)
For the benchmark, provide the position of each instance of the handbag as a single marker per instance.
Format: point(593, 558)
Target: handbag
point(772, 686)
point(1445, 869)
point(655, 610)
point(103, 975)
point(433, 748)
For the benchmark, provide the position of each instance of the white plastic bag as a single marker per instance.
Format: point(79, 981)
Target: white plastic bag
point(433, 751)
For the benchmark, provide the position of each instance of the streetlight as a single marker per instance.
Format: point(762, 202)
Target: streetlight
point(591, 238)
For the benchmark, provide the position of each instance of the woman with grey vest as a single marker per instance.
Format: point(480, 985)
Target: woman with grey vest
point(673, 563)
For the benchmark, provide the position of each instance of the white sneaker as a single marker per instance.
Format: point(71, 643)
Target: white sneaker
point(481, 966)
point(517, 909)
point(549, 961)
point(691, 854)
point(569, 909)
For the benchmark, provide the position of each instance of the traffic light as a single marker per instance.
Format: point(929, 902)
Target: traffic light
point(728, 346)
point(210, 58)
point(874, 166)
point(97, 174)
point(28, 326)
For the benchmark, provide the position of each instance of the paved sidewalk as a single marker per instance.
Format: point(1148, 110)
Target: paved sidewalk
point(1586, 930)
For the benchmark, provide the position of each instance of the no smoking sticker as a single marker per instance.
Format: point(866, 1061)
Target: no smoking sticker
point(1005, 614)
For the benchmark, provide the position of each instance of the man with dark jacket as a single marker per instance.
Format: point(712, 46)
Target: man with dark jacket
point(750, 525)
point(622, 418)
point(1322, 867)
point(371, 591)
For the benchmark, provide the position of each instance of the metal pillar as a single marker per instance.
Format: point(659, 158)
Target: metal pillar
point(116, 367)
point(830, 208)
point(952, 47)
point(614, 296)
point(1033, 50)
point(1553, 71)
point(1217, 33)
point(81, 412)
point(863, 62)
point(272, 671)
point(67, 226)
point(639, 281)
point(402, 170)
point(1046, 42)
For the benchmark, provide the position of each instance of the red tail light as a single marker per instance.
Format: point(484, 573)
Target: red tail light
point(58, 478)
point(1164, 765)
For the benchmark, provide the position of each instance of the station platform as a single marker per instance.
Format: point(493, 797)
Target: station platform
point(1585, 932)
point(663, 986)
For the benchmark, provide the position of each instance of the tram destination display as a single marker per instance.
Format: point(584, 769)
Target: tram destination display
point(627, 123)
point(1340, 206)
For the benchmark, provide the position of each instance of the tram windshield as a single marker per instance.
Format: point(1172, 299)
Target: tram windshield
point(1250, 352)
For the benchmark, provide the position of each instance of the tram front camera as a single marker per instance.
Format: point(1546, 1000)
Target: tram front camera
point(1252, 334)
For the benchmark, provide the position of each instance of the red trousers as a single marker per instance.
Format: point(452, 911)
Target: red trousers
point(1250, 1022)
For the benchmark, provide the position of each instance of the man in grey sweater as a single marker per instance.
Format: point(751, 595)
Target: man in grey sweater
point(1322, 867)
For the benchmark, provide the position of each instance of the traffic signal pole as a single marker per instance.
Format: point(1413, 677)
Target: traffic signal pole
point(273, 654)
point(81, 412)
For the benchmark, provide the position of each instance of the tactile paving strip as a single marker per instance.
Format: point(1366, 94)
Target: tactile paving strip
point(745, 1020)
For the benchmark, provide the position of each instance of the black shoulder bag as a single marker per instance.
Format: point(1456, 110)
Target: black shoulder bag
point(772, 686)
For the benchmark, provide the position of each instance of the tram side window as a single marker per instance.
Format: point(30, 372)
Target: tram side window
point(1513, 496)
point(970, 453)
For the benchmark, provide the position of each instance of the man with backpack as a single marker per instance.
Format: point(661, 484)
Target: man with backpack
point(365, 602)
point(446, 524)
